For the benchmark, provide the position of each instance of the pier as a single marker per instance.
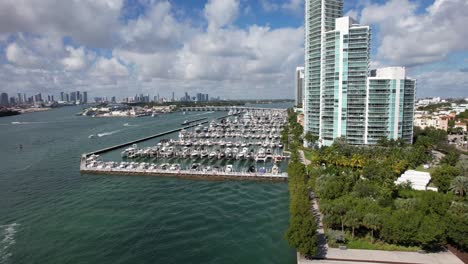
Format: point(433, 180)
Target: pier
point(193, 121)
point(142, 139)
point(203, 175)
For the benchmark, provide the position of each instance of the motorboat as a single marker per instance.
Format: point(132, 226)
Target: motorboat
point(229, 168)
point(195, 166)
point(275, 169)
point(174, 167)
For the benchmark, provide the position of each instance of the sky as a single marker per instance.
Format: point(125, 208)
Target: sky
point(236, 49)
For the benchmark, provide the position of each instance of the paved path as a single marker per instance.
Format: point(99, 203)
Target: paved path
point(302, 157)
point(335, 255)
point(329, 255)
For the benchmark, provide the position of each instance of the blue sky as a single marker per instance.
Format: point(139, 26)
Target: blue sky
point(230, 48)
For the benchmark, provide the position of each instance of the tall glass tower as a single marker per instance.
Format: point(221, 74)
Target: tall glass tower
point(320, 18)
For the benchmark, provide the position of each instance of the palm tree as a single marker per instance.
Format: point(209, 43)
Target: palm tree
point(459, 185)
point(371, 221)
point(352, 220)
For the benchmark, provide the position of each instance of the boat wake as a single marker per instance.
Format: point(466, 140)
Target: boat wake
point(128, 125)
point(27, 123)
point(7, 236)
point(108, 133)
point(204, 113)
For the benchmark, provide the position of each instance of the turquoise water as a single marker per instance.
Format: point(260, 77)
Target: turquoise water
point(49, 213)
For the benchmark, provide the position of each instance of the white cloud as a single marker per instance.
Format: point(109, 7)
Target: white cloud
point(157, 30)
point(109, 68)
point(220, 13)
point(20, 56)
point(409, 38)
point(76, 59)
point(87, 21)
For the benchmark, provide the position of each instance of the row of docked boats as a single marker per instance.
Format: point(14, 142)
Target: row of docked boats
point(95, 162)
point(261, 154)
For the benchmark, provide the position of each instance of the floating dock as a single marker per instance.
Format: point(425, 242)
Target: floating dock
point(193, 121)
point(190, 174)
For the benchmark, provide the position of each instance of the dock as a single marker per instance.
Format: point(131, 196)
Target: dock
point(142, 139)
point(202, 175)
point(151, 137)
point(193, 121)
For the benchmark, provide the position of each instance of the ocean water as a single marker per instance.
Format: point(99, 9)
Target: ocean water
point(50, 213)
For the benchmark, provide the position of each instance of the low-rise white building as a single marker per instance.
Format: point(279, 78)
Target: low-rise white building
point(418, 180)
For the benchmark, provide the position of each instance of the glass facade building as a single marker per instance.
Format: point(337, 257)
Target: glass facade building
point(337, 92)
point(320, 18)
point(390, 105)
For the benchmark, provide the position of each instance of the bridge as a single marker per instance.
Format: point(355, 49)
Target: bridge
point(228, 108)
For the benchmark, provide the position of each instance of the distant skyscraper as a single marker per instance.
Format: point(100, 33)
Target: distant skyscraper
point(173, 98)
point(73, 97)
point(38, 98)
point(390, 107)
point(85, 97)
point(62, 97)
point(67, 97)
point(299, 85)
point(20, 98)
point(3, 99)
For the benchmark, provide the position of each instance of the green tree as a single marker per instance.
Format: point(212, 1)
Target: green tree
point(451, 158)
point(431, 232)
point(443, 176)
point(310, 138)
point(459, 185)
point(372, 222)
point(352, 219)
point(457, 225)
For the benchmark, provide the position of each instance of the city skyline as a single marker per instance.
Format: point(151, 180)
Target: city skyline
point(249, 52)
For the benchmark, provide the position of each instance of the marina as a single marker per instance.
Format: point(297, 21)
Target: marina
point(240, 145)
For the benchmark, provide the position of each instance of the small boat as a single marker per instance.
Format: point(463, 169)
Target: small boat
point(275, 169)
point(174, 167)
point(229, 168)
point(195, 166)
point(194, 154)
point(91, 136)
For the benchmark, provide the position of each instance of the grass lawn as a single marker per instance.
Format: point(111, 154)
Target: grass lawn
point(421, 168)
point(308, 154)
point(365, 243)
point(362, 243)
